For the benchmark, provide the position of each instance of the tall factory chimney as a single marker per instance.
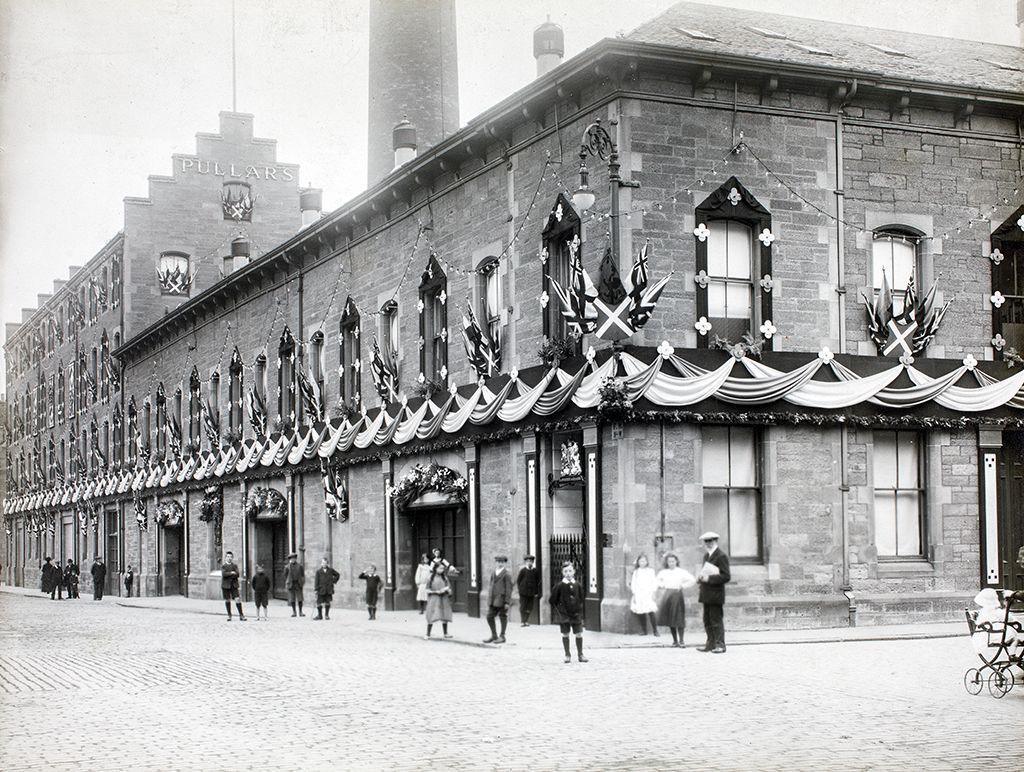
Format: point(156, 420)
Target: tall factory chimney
point(413, 72)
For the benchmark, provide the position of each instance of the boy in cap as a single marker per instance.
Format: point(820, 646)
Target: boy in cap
point(373, 585)
point(500, 597)
point(528, 585)
point(713, 577)
point(324, 581)
point(294, 579)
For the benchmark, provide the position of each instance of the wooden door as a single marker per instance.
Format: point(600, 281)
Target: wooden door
point(112, 555)
point(445, 529)
point(1011, 512)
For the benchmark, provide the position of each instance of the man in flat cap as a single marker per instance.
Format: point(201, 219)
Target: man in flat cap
point(294, 579)
point(499, 598)
point(713, 577)
point(528, 585)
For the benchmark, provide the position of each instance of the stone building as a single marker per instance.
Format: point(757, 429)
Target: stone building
point(825, 379)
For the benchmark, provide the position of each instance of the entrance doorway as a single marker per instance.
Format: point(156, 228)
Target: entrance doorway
point(444, 528)
point(271, 552)
point(174, 561)
point(112, 554)
point(1011, 511)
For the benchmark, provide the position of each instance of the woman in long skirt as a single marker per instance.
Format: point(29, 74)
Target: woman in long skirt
point(643, 586)
point(672, 580)
point(439, 600)
point(422, 575)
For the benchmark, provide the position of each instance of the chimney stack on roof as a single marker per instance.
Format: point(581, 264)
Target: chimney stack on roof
point(311, 204)
point(548, 46)
point(403, 139)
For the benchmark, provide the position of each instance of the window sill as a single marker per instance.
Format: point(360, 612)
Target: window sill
point(904, 567)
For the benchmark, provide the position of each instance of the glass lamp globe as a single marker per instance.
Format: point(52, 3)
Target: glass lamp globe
point(583, 199)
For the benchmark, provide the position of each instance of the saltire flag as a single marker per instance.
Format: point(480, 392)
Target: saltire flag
point(479, 349)
point(312, 397)
point(335, 493)
point(385, 375)
point(257, 412)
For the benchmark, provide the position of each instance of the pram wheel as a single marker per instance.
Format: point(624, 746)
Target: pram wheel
point(1000, 683)
point(974, 682)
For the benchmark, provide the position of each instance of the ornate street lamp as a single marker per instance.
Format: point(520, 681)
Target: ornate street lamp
point(598, 142)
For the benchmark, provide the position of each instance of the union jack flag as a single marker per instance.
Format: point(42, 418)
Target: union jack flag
point(385, 375)
point(335, 493)
point(174, 434)
point(257, 412)
point(312, 396)
point(479, 348)
point(211, 422)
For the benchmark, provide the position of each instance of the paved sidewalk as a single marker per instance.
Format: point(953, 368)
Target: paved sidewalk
point(471, 631)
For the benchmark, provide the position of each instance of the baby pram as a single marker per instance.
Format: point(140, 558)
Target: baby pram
point(997, 634)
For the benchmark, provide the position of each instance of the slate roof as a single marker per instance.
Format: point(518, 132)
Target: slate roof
point(774, 37)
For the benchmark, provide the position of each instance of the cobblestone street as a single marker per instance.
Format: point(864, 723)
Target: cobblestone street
point(86, 685)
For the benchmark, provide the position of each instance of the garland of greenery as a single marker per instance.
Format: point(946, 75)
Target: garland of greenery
point(211, 508)
point(169, 512)
point(432, 477)
point(265, 500)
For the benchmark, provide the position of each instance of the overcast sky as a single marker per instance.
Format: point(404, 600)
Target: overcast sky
point(95, 96)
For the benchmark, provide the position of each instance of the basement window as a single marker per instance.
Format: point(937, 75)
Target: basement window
point(696, 34)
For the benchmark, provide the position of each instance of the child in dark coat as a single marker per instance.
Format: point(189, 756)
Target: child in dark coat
point(260, 591)
point(567, 610)
point(373, 585)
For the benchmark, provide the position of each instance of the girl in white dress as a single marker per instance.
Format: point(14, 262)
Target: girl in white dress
point(644, 585)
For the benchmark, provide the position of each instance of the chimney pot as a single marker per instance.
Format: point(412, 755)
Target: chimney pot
point(548, 46)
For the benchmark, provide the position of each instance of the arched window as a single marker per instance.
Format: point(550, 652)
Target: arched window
point(286, 378)
point(389, 331)
point(93, 374)
point(260, 376)
point(349, 355)
point(489, 305)
point(61, 392)
point(235, 392)
point(174, 273)
point(115, 282)
point(147, 425)
point(118, 443)
point(104, 367)
point(1008, 279)
point(560, 248)
point(433, 308)
point(894, 256)
point(161, 421)
point(734, 259)
point(194, 386)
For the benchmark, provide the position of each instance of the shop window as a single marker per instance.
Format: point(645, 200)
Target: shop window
point(349, 355)
point(733, 265)
point(560, 246)
point(433, 308)
point(1008, 279)
point(732, 489)
point(899, 494)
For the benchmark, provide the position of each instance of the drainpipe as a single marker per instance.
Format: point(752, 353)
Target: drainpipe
point(844, 436)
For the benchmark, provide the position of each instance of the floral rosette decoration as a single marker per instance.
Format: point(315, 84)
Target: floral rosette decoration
point(432, 477)
point(169, 512)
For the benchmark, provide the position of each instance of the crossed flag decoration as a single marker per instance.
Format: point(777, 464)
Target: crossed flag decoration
point(610, 312)
point(312, 396)
point(257, 412)
point(335, 494)
point(910, 332)
point(484, 354)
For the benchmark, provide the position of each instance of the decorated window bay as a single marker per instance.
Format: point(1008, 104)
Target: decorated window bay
point(1007, 299)
point(734, 240)
point(561, 249)
point(433, 311)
